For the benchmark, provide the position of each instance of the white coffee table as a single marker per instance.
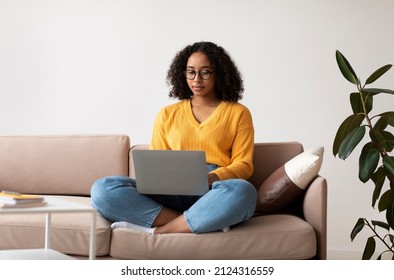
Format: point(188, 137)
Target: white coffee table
point(54, 205)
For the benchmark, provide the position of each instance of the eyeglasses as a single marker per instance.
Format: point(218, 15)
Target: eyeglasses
point(204, 74)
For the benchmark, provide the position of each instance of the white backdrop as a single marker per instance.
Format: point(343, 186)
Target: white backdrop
point(99, 66)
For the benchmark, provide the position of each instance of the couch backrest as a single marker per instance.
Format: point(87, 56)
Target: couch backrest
point(70, 164)
point(267, 158)
point(60, 164)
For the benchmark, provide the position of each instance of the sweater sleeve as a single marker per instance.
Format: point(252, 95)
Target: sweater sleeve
point(159, 141)
point(241, 164)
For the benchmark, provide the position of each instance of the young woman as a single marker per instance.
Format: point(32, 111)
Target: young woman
point(208, 117)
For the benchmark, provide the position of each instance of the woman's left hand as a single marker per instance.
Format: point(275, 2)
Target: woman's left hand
point(212, 177)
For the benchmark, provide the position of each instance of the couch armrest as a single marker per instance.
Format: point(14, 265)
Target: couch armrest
point(315, 213)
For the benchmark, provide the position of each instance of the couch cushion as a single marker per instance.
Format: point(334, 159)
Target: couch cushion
point(60, 164)
point(263, 237)
point(70, 232)
point(289, 181)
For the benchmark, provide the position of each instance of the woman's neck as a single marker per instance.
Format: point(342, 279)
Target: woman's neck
point(198, 101)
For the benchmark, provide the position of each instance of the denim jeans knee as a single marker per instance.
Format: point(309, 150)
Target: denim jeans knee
point(117, 199)
point(229, 202)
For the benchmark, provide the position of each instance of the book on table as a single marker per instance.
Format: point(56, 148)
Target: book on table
point(17, 200)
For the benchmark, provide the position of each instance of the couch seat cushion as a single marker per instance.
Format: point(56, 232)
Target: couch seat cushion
point(265, 237)
point(70, 231)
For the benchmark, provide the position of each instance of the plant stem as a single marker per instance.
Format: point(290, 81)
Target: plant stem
point(363, 102)
point(378, 236)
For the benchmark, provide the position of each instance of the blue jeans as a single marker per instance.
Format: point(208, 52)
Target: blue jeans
point(229, 202)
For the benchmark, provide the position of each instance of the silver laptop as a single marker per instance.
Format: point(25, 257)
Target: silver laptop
point(169, 172)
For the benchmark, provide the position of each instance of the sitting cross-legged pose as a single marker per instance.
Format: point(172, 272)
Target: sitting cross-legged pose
point(207, 117)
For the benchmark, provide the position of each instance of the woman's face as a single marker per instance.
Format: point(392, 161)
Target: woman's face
point(200, 75)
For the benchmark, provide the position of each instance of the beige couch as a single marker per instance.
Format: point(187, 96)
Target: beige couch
point(66, 167)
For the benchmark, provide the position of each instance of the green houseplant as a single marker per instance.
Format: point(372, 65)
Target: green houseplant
point(375, 161)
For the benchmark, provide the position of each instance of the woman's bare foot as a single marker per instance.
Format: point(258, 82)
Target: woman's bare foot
point(165, 216)
point(177, 225)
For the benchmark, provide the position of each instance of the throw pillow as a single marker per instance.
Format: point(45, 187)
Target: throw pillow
point(289, 181)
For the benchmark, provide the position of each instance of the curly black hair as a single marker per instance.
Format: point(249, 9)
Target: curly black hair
point(229, 82)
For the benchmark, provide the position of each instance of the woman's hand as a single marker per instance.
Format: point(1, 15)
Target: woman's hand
point(212, 177)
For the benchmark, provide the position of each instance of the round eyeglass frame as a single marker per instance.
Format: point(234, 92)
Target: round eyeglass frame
point(188, 72)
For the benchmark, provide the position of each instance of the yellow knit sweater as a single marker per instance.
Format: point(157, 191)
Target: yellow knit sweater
point(227, 136)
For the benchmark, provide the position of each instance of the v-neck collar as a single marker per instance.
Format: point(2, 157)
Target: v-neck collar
point(192, 119)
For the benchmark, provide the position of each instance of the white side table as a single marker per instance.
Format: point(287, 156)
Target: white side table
point(54, 205)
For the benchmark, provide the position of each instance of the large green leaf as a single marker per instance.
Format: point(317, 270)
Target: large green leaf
point(390, 113)
point(351, 141)
point(388, 163)
point(386, 118)
point(378, 178)
point(357, 228)
point(390, 216)
point(382, 123)
point(389, 141)
point(346, 68)
point(391, 237)
point(383, 139)
point(377, 74)
point(375, 91)
point(381, 224)
point(391, 118)
point(369, 159)
point(347, 125)
point(357, 104)
point(386, 200)
point(369, 248)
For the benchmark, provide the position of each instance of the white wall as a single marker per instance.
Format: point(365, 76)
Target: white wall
point(99, 66)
